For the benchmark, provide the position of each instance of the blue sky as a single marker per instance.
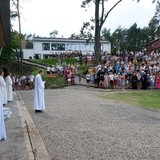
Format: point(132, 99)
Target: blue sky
point(66, 16)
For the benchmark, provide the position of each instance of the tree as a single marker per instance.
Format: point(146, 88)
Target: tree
point(99, 20)
point(16, 13)
point(53, 34)
point(29, 42)
point(75, 36)
point(130, 39)
point(133, 38)
point(119, 38)
point(86, 31)
point(153, 26)
point(107, 34)
point(157, 14)
point(156, 20)
point(10, 51)
point(100, 17)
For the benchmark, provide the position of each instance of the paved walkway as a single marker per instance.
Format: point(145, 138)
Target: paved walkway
point(78, 125)
point(33, 64)
point(16, 146)
point(23, 140)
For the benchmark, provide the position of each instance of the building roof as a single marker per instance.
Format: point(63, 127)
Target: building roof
point(152, 41)
point(153, 45)
point(45, 39)
point(4, 22)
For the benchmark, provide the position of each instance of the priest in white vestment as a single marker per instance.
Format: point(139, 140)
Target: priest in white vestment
point(2, 124)
point(3, 88)
point(39, 103)
point(9, 88)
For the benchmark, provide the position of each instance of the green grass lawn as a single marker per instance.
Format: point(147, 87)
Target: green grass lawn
point(147, 99)
point(53, 61)
point(59, 81)
point(51, 83)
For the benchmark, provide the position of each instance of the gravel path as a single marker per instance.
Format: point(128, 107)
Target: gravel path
point(77, 125)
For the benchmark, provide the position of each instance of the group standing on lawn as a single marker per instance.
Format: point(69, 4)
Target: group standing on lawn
point(124, 71)
point(67, 71)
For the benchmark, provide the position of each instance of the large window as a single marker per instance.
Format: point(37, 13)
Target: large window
point(58, 47)
point(45, 46)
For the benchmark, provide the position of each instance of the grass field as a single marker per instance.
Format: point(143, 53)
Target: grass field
point(51, 83)
point(148, 99)
point(53, 61)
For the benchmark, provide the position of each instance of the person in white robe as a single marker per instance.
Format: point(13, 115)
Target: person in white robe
point(3, 88)
point(39, 102)
point(2, 123)
point(9, 88)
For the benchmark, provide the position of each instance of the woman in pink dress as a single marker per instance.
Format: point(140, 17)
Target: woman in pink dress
point(158, 81)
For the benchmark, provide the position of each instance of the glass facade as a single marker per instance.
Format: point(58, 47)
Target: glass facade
point(45, 46)
point(57, 47)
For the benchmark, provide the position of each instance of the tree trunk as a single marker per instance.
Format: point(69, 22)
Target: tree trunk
point(20, 37)
point(97, 33)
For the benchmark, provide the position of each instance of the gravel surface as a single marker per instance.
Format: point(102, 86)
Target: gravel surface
point(77, 125)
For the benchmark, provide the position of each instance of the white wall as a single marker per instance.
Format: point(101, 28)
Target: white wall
point(72, 46)
point(38, 48)
point(106, 48)
point(28, 53)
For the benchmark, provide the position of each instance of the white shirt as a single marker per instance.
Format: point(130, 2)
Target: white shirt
point(111, 77)
point(31, 77)
point(48, 69)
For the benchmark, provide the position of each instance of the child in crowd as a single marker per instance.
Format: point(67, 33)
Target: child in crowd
point(88, 79)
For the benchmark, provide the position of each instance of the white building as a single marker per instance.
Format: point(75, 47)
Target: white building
point(28, 54)
point(46, 47)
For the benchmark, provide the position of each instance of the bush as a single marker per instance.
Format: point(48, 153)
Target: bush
point(56, 82)
point(51, 83)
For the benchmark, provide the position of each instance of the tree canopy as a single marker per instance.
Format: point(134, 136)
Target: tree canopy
point(99, 19)
point(10, 51)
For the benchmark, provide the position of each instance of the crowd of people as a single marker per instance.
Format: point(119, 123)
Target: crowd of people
point(133, 70)
point(23, 82)
point(67, 71)
point(127, 70)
